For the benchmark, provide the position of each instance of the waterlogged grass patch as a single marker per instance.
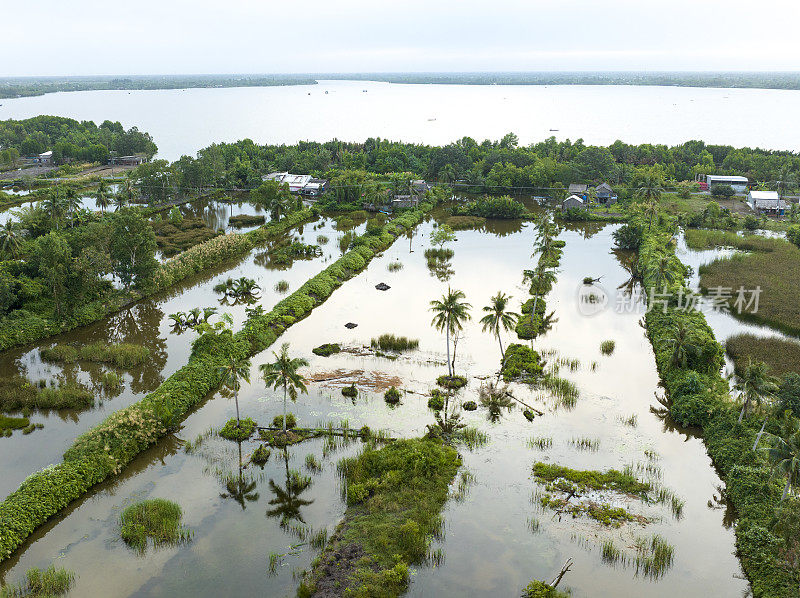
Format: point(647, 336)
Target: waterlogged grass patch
point(41, 584)
point(451, 381)
point(17, 393)
point(607, 347)
point(781, 355)
point(157, 520)
point(326, 350)
point(392, 396)
point(390, 342)
point(122, 355)
point(395, 495)
point(238, 431)
point(592, 479)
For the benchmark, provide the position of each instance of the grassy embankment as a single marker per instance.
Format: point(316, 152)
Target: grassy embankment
point(772, 264)
point(192, 261)
point(107, 448)
point(766, 535)
point(394, 499)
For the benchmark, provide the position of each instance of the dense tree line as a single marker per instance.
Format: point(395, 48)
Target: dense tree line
point(486, 166)
point(70, 139)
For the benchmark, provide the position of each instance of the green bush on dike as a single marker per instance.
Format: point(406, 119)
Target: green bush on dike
point(291, 421)
point(394, 495)
point(108, 447)
point(700, 396)
point(22, 326)
point(521, 363)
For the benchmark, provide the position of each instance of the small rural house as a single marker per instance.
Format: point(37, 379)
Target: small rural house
point(766, 202)
point(578, 189)
point(405, 201)
point(605, 194)
point(573, 201)
point(127, 160)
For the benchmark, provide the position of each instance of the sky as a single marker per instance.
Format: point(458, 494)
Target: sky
point(98, 37)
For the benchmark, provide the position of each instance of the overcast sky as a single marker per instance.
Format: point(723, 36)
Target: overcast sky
point(92, 37)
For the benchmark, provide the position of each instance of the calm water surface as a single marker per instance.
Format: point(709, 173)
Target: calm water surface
point(183, 121)
point(488, 547)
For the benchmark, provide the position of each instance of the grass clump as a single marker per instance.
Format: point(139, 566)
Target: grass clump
point(261, 455)
point(326, 350)
point(392, 396)
point(156, 519)
point(592, 479)
point(394, 266)
point(111, 382)
point(281, 286)
point(291, 421)
point(654, 557)
point(585, 444)
point(542, 443)
point(322, 240)
point(8, 424)
point(610, 553)
point(565, 391)
point(17, 393)
point(312, 463)
point(122, 355)
point(451, 381)
point(781, 355)
point(394, 495)
point(469, 406)
point(390, 342)
point(243, 220)
point(41, 584)
point(436, 401)
point(521, 363)
point(351, 392)
point(238, 431)
point(607, 347)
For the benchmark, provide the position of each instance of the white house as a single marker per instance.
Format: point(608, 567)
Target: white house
point(737, 183)
point(573, 201)
point(296, 182)
point(768, 202)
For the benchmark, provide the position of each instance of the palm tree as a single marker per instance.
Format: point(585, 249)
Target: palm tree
point(71, 203)
point(54, 206)
point(283, 373)
point(755, 385)
point(10, 240)
point(661, 271)
point(499, 318)
point(231, 374)
point(450, 313)
point(784, 455)
point(103, 199)
point(682, 344)
point(649, 189)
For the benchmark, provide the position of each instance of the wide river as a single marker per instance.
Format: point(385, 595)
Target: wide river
point(183, 121)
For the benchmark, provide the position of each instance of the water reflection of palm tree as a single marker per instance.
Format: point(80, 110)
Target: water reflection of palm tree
point(287, 503)
point(240, 488)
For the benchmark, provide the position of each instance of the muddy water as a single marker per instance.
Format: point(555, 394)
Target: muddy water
point(146, 323)
point(487, 544)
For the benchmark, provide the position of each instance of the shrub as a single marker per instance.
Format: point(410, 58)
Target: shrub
point(238, 432)
point(470, 406)
point(607, 347)
point(492, 207)
point(451, 381)
point(261, 455)
point(41, 584)
point(521, 363)
point(392, 396)
point(351, 391)
point(156, 519)
point(243, 220)
point(436, 402)
point(291, 421)
point(326, 350)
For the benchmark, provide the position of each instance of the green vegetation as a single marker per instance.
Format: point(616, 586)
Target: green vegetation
point(8, 424)
point(592, 480)
point(121, 355)
point(394, 266)
point(285, 255)
point(173, 238)
point(464, 222)
point(283, 373)
point(781, 355)
point(394, 497)
point(261, 455)
point(156, 519)
point(653, 557)
point(392, 396)
point(540, 442)
point(390, 342)
point(278, 421)
point(282, 286)
point(492, 207)
point(326, 350)
point(17, 393)
point(521, 363)
point(238, 430)
point(41, 584)
point(499, 318)
point(607, 347)
point(776, 271)
point(436, 400)
point(539, 589)
point(351, 392)
point(452, 382)
point(697, 395)
point(243, 220)
point(450, 313)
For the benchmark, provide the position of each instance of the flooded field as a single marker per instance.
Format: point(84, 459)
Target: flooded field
point(255, 529)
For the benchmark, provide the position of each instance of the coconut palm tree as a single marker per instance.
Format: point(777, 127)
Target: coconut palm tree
point(283, 373)
point(650, 189)
point(72, 204)
point(232, 373)
point(783, 454)
point(103, 200)
point(55, 207)
point(682, 344)
point(450, 313)
point(10, 240)
point(498, 318)
point(754, 385)
point(661, 271)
